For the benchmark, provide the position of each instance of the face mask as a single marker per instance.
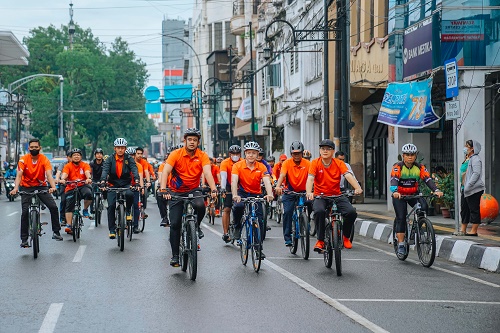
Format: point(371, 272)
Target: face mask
point(466, 151)
point(235, 158)
point(34, 152)
point(12, 168)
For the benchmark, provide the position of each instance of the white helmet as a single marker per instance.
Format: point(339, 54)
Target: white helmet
point(409, 148)
point(120, 142)
point(130, 151)
point(251, 145)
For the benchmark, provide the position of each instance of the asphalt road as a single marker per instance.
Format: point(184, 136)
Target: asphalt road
point(90, 286)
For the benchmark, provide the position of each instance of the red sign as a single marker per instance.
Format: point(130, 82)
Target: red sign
point(173, 72)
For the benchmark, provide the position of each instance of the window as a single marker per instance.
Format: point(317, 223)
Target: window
point(210, 37)
point(274, 75)
point(218, 35)
point(263, 83)
point(292, 61)
point(230, 38)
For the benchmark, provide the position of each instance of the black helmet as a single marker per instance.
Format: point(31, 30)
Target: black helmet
point(76, 151)
point(234, 149)
point(261, 151)
point(270, 158)
point(296, 146)
point(98, 150)
point(192, 132)
point(68, 153)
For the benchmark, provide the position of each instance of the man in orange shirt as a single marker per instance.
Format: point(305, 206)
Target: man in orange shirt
point(118, 170)
point(186, 166)
point(76, 170)
point(324, 174)
point(33, 172)
point(160, 200)
point(216, 175)
point(246, 177)
point(136, 182)
point(147, 169)
point(277, 166)
point(225, 171)
point(295, 171)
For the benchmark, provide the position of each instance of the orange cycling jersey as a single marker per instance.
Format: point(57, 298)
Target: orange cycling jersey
point(404, 180)
point(186, 170)
point(215, 171)
point(327, 178)
point(249, 179)
point(75, 172)
point(140, 171)
point(296, 174)
point(33, 172)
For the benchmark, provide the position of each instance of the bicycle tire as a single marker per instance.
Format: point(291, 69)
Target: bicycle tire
point(231, 230)
point(295, 234)
point(74, 224)
point(129, 231)
point(97, 213)
point(312, 227)
point(279, 211)
point(212, 215)
point(395, 242)
point(34, 233)
point(328, 253)
point(142, 219)
point(256, 245)
point(425, 242)
point(351, 236)
point(79, 227)
point(305, 241)
point(244, 241)
point(193, 250)
point(183, 255)
point(121, 227)
point(337, 245)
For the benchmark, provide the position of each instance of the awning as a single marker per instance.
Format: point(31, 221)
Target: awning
point(12, 52)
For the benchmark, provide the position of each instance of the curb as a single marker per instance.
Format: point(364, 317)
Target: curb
point(459, 251)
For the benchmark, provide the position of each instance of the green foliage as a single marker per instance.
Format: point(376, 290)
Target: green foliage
point(447, 186)
point(92, 74)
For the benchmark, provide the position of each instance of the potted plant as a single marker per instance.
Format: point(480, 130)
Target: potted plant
point(447, 186)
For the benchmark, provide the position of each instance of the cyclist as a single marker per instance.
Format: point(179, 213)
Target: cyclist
point(246, 177)
point(76, 170)
point(404, 181)
point(260, 158)
point(33, 173)
point(307, 155)
point(295, 170)
point(96, 168)
point(340, 155)
point(225, 169)
point(277, 166)
point(271, 160)
point(146, 172)
point(324, 175)
point(214, 168)
point(118, 170)
point(218, 161)
point(135, 225)
point(160, 200)
point(62, 188)
point(186, 166)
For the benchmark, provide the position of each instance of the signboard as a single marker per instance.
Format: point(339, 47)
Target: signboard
point(417, 50)
point(462, 30)
point(152, 93)
point(153, 107)
point(245, 110)
point(452, 110)
point(451, 74)
point(408, 105)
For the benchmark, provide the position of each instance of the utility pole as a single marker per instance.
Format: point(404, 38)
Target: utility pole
point(252, 83)
point(326, 86)
point(71, 26)
point(230, 56)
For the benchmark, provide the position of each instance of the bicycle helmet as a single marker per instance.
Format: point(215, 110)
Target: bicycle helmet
point(68, 153)
point(270, 158)
point(306, 154)
point(219, 160)
point(296, 146)
point(409, 148)
point(251, 145)
point(120, 142)
point(192, 132)
point(261, 151)
point(234, 149)
point(130, 151)
point(98, 150)
point(76, 151)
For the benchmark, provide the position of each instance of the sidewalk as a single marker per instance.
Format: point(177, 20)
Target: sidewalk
point(375, 221)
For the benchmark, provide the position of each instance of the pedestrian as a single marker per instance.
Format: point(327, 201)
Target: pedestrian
point(472, 187)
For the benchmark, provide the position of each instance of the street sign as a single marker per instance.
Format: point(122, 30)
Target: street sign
point(453, 110)
point(451, 74)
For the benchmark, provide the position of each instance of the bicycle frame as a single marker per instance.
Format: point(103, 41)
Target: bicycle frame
point(34, 231)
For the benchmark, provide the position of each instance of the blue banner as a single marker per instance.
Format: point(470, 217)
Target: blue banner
point(408, 105)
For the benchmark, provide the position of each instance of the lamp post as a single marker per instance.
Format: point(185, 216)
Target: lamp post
point(230, 56)
point(252, 83)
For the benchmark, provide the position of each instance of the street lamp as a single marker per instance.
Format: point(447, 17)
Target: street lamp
point(230, 55)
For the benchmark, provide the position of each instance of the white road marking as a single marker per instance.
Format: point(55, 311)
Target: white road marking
point(392, 254)
point(322, 296)
point(416, 301)
point(325, 298)
point(50, 320)
point(79, 254)
point(13, 213)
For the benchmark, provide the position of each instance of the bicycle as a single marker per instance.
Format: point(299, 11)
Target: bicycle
point(418, 231)
point(142, 214)
point(251, 233)
point(188, 248)
point(98, 202)
point(300, 225)
point(120, 218)
point(334, 234)
point(77, 221)
point(35, 226)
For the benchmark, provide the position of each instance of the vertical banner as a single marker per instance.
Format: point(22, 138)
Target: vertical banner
point(417, 50)
point(408, 105)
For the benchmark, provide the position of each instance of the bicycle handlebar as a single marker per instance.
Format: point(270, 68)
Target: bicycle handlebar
point(33, 193)
point(415, 196)
point(250, 199)
point(345, 194)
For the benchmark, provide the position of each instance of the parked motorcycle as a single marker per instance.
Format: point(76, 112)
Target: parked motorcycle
point(9, 186)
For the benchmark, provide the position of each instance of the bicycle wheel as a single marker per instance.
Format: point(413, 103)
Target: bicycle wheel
point(129, 230)
point(337, 244)
point(97, 213)
point(279, 211)
point(244, 242)
point(426, 242)
point(212, 214)
point(395, 242)
point(34, 217)
point(183, 246)
point(121, 227)
point(192, 243)
point(142, 219)
point(79, 227)
point(312, 226)
point(295, 234)
point(304, 235)
point(256, 245)
point(74, 226)
point(328, 253)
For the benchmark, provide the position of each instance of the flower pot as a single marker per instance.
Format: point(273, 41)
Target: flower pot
point(446, 212)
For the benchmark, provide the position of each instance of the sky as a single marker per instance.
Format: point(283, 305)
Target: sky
point(136, 21)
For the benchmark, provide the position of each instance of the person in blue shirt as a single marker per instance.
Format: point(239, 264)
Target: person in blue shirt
point(262, 160)
point(11, 172)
